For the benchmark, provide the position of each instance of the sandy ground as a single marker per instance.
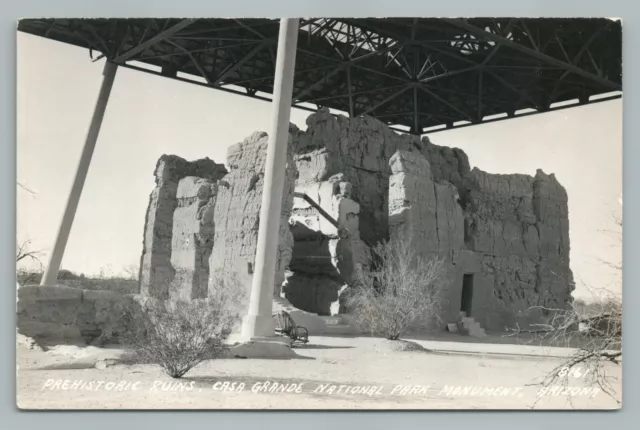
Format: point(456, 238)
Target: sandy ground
point(366, 373)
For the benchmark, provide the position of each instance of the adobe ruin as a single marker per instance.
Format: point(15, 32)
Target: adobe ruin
point(504, 238)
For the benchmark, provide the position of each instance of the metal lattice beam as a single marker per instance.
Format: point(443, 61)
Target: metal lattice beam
point(417, 73)
point(156, 39)
point(542, 57)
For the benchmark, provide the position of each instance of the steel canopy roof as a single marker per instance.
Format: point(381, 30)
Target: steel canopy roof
point(412, 73)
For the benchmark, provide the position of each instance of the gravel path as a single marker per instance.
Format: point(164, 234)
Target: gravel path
point(331, 373)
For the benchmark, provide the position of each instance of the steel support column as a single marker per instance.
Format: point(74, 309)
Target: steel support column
point(55, 259)
point(258, 323)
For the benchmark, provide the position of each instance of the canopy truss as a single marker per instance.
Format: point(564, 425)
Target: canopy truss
point(415, 74)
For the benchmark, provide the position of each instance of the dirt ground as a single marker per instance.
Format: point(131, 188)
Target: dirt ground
point(331, 373)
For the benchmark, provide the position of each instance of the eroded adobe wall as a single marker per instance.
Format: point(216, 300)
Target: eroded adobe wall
point(518, 225)
point(447, 164)
point(325, 257)
point(343, 165)
point(359, 149)
point(427, 211)
point(156, 271)
point(192, 240)
point(429, 216)
point(237, 211)
point(516, 240)
point(509, 231)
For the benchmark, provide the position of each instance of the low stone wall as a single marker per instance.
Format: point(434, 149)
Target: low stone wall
point(66, 315)
point(70, 315)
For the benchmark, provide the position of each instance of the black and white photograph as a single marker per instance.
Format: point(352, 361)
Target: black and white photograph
point(417, 213)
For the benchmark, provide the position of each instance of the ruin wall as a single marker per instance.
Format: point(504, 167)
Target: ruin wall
point(325, 257)
point(518, 228)
point(509, 231)
point(343, 165)
point(427, 214)
point(514, 236)
point(236, 215)
point(359, 149)
point(192, 238)
point(156, 270)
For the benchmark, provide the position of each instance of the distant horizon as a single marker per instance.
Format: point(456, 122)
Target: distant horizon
point(148, 116)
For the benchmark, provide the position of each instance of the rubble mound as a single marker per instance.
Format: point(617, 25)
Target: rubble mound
point(400, 346)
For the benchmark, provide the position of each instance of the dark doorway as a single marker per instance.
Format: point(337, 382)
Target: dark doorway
point(467, 294)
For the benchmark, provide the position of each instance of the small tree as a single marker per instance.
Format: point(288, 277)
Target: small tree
point(67, 275)
point(399, 288)
point(24, 253)
point(179, 335)
point(132, 272)
point(593, 329)
point(595, 333)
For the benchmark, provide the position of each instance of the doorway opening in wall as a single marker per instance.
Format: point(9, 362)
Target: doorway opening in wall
point(467, 294)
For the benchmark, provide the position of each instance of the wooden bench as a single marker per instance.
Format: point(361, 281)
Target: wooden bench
point(285, 326)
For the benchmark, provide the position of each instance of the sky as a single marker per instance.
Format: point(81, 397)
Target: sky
point(148, 116)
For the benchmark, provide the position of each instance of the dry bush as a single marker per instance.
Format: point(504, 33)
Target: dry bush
point(24, 252)
point(179, 335)
point(28, 277)
point(593, 328)
point(398, 289)
point(598, 337)
point(132, 272)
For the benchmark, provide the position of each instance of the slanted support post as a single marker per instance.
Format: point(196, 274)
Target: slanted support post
point(258, 323)
point(416, 112)
point(55, 259)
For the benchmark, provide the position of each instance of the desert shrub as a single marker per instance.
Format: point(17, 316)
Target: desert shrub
point(28, 277)
point(595, 334)
point(67, 275)
point(178, 335)
point(100, 317)
point(592, 328)
point(24, 254)
point(398, 289)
